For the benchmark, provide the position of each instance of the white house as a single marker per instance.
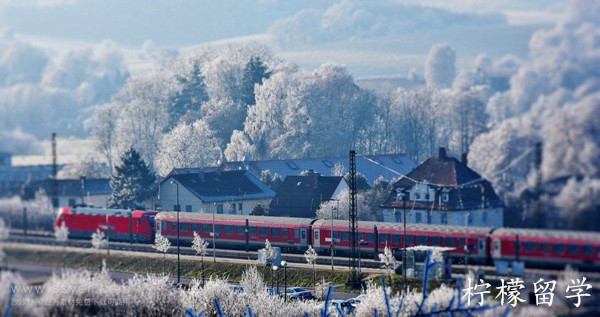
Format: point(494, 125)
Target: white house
point(222, 192)
point(445, 191)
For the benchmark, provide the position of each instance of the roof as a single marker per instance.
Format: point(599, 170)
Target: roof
point(215, 186)
point(371, 166)
point(224, 217)
point(545, 233)
point(300, 196)
point(409, 226)
point(72, 187)
point(463, 185)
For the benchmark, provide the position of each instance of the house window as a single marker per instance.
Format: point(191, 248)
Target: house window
point(445, 197)
point(71, 202)
point(397, 160)
point(220, 209)
point(417, 196)
point(292, 165)
point(419, 217)
point(240, 206)
point(484, 217)
point(429, 217)
point(444, 219)
point(470, 218)
point(327, 163)
point(188, 208)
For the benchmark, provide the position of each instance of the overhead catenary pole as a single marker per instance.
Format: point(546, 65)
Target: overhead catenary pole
point(537, 212)
point(55, 202)
point(352, 219)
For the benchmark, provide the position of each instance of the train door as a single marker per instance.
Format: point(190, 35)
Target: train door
point(496, 253)
point(316, 241)
point(303, 236)
point(481, 247)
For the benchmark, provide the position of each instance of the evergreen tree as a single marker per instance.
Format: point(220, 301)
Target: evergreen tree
point(132, 183)
point(254, 73)
point(188, 101)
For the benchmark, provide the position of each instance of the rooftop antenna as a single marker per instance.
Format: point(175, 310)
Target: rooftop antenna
point(354, 279)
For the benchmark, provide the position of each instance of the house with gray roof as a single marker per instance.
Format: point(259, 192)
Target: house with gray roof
point(207, 190)
point(371, 166)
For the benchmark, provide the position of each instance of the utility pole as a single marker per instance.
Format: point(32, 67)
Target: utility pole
point(54, 173)
point(537, 212)
point(213, 233)
point(404, 242)
point(352, 219)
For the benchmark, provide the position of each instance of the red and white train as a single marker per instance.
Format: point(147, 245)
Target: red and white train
point(542, 248)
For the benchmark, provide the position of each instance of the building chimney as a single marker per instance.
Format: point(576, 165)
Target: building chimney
point(463, 158)
point(442, 153)
point(246, 161)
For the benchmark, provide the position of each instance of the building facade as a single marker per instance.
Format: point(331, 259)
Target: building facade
point(221, 192)
point(444, 191)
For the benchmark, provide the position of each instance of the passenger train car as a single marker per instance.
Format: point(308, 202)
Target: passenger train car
point(119, 224)
point(538, 248)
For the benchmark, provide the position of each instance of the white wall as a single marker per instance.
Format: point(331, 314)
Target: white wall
point(479, 217)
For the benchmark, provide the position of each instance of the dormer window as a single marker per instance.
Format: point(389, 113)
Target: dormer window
point(445, 197)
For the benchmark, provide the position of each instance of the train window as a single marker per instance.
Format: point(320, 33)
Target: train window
point(174, 226)
point(275, 232)
point(185, 227)
point(345, 236)
point(559, 248)
point(529, 246)
point(218, 228)
point(588, 250)
point(437, 241)
point(228, 229)
point(545, 247)
point(573, 249)
point(262, 231)
point(296, 233)
point(383, 237)
point(164, 225)
point(460, 243)
point(422, 240)
point(410, 240)
point(239, 230)
point(370, 237)
point(196, 227)
point(448, 241)
point(396, 238)
point(316, 234)
point(252, 231)
point(205, 228)
point(284, 232)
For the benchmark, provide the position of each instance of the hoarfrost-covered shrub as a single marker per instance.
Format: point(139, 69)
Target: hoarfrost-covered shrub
point(22, 298)
point(40, 213)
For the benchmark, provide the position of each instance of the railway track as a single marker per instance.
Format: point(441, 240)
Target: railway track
point(47, 238)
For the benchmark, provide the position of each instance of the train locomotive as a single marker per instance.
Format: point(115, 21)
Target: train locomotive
point(484, 245)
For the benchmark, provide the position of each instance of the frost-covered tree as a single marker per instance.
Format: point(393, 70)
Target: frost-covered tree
point(341, 206)
point(185, 104)
point(187, 145)
point(579, 203)
point(439, 66)
point(362, 184)
point(200, 246)
point(61, 235)
point(99, 241)
point(255, 72)
point(311, 258)
point(267, 254)
point(388, 262)
point(4, 233)
point(162, 244)
point(132, 183)
point(273, 181)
